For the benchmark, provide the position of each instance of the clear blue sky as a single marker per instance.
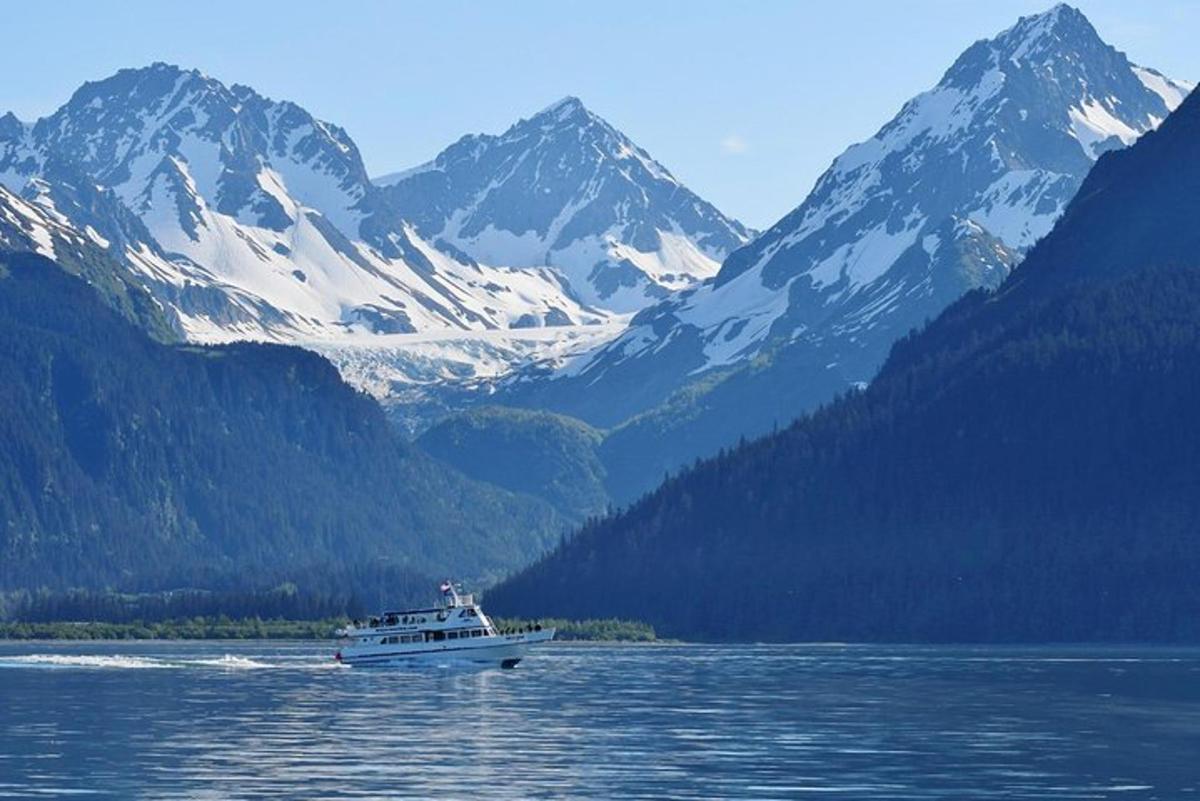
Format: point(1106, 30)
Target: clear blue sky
point(747, 103)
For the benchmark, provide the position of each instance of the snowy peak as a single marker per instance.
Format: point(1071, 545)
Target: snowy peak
point(1046, 42)
point(1002, 141)
point(566, 189)
point(1046, 37)
point(228, 144)
point(1006, 135)
point(250, 218)
point(568, 127)
point(946, 197)
point(568, 111)
point(1056, 62)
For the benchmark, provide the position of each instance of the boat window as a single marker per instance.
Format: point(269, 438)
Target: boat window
point(476, 633)
point(438, 635)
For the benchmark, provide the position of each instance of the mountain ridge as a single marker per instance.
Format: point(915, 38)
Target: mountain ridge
point(945, 198)
point(1021, 470)
point(587, 172)
point(248, 218)
point(858, 223)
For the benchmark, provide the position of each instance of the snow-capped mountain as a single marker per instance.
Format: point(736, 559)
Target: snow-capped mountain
point(566, 189)
point(946, 197)
point(251, 218)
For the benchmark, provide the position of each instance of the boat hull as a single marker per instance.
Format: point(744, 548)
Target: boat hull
point(504, 650)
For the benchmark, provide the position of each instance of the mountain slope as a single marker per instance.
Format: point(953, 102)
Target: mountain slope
point(945, 198)
point(535, 453)
point(132, 464)
point(249, 218)
point(29, 227)
point(566, 189)
point(1022, 469)
point(257, 219)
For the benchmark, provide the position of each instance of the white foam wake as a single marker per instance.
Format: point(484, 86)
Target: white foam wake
point(81, 661)
point(229, 662)
point(122, 662)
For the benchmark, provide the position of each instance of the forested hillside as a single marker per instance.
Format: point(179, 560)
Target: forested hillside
point(1026, 468)
point(136, 465)
point(538, 453)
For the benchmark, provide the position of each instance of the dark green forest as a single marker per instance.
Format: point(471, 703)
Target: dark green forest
point(133, 465)
point(539, 453)
point(1026, 468)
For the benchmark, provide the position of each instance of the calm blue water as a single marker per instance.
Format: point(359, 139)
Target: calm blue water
point(276, 720)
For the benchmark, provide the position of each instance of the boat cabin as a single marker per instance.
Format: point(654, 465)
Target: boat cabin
point(457, 618)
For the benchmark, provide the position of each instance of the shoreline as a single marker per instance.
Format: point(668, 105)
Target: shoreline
point(250, 629)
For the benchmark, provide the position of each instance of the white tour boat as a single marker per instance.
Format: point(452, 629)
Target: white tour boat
point(457, 629)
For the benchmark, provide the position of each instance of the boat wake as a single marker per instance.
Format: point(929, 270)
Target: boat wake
point(124, 662)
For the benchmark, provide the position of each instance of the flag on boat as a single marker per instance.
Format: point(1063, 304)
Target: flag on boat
point(446, 587)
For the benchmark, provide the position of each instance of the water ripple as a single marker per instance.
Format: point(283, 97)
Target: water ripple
point(280, 720)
